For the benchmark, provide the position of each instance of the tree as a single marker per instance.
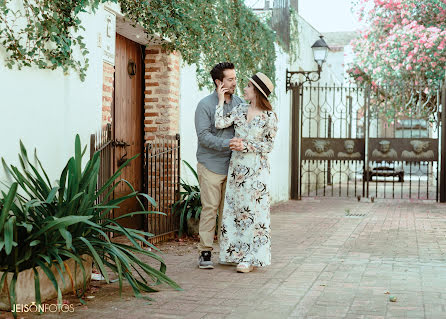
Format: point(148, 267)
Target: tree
point(403, 45)
point(202, 31)
point(405, 41)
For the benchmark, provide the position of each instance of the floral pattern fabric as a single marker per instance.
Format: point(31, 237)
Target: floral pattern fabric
point(245, 230)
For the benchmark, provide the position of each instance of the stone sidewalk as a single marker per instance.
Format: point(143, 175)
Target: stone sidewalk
point(332, 258)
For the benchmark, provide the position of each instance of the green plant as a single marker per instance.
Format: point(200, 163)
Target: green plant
point(50, 37)
point(189, 204)
point(42, 224)
point(204, 32)
point(295, 31)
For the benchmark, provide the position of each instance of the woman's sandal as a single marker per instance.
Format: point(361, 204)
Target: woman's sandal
point(244, 267)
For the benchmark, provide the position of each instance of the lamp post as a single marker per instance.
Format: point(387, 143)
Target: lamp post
point(298, 78)
point(294, 82)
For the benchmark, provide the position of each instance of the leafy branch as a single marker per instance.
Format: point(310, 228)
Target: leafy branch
point(47, 33)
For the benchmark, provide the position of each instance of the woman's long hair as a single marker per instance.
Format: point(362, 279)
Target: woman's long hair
point(261, 101)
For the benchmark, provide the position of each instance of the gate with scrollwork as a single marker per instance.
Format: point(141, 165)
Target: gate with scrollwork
point(376, 142)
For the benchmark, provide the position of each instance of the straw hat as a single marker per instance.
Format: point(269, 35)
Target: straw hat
point(263, 83)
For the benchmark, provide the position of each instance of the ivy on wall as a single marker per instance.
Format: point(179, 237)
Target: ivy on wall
point(295, 30)
point(46, 33)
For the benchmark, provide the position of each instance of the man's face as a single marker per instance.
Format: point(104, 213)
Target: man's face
point(229, 80)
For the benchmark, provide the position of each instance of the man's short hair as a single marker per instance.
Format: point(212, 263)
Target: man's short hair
point(217, 70)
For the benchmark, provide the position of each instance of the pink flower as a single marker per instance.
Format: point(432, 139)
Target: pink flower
point(405, 39)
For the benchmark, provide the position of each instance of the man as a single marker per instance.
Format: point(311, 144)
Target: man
point(213, 155)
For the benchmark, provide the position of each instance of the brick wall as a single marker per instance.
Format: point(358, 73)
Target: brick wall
point(162, 93)
point(161, 124)
point(107, 92)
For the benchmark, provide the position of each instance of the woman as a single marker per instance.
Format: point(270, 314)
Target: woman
point(245, 231)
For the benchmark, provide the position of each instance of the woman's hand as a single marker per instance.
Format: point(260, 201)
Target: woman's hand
point(236, 144)
point(221, 94)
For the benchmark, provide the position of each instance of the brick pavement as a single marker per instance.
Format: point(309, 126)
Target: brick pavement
point(325, 265)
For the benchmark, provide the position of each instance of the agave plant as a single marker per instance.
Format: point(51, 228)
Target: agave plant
point(42, 224)
point(189, 204)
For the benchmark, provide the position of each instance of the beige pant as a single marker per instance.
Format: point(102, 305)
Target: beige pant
point(212, 187)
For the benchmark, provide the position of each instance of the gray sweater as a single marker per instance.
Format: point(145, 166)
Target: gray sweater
point(213, 144)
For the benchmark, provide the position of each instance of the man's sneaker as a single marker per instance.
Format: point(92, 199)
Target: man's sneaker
point(204, 261)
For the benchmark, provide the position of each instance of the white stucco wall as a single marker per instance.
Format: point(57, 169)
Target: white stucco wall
point(280, 157)
point(190, 95)
point(307, 35)
point(335, 67)
point(46, 109)
point(189, 98)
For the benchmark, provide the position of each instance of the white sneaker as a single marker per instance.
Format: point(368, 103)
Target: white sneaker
point(244, 267)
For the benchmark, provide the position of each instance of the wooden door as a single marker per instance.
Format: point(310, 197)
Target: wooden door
point(128, 124)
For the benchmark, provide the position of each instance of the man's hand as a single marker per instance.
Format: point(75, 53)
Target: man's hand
point(236, 144)
point(221, 91)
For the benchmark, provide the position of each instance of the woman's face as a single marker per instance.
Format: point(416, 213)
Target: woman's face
point(250, 95)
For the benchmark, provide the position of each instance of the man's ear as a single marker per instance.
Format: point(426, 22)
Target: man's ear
point(218, 82)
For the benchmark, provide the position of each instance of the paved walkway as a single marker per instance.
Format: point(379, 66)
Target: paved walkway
point(331, 259)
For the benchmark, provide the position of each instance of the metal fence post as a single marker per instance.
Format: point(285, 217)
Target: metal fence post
point(366, 174)
point(443, 146)
point(329, 181)
point(295, 146)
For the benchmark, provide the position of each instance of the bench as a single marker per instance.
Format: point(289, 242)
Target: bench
point(385, 171)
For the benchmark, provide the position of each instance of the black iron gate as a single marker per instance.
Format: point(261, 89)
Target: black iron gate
point(162, 173)
point(378, 142)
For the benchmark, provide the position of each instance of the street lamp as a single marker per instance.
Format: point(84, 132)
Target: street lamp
point(297, 78)
point(295, 81)
point(320, 51)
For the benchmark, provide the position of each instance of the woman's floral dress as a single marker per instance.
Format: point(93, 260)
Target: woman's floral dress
point(245, 230)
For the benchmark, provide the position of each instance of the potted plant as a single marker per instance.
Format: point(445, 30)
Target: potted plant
point(50, 233)
point(189, 205)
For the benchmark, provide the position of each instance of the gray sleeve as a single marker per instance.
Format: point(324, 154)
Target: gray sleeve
point(203, 126)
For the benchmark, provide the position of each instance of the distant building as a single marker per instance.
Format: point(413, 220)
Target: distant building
point(340, 55)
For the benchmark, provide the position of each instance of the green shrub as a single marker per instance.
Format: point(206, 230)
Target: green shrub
point(42, 224)
point(189, 204)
